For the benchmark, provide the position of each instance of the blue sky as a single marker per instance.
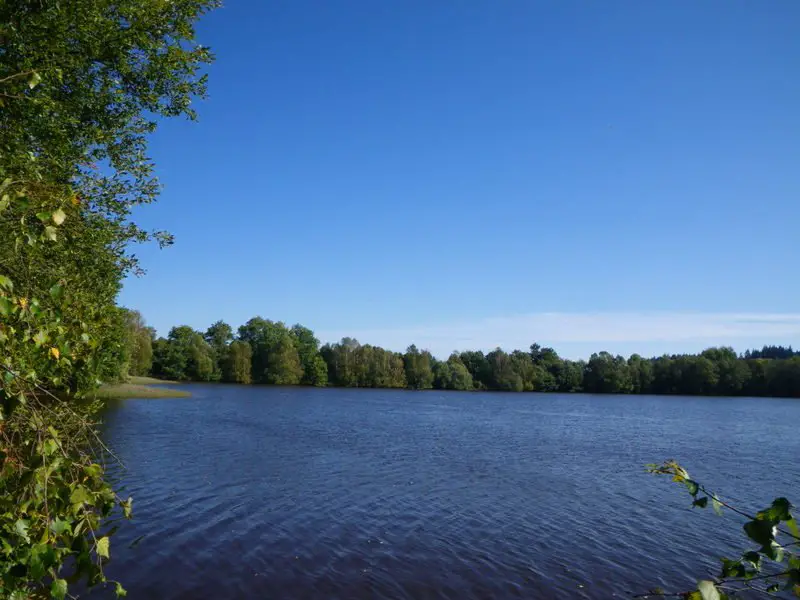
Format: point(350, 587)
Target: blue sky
point(589, 175)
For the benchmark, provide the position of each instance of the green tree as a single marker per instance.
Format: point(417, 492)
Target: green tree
point(503, 375)
point(315, 370)
point(442, 376)
point(283, 363)
point(264, 337)
point(607, 374)
point(418, 367)
point(641, 372)
point(733, 373)
point(783, 378)
point(478, 367)
point(184, 356)
point(570, 378)
point(341, 361)
point(82, 84)
point(460, 377)
point(139, 346)
point(530, 374)
point(549, 372)
point(452, 374)
point(218, 336)
point(237, 367)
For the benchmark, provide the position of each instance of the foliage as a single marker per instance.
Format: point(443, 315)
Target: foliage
point(81, 85)
point(770, 567)
point(347, 363)
point(139, 343)
point(283, 363)
point(352, 365)
point(504, 375)
point(315, 370)
point(218, 337)
point(607, 374)
point(184, 355)
point(237, 367)
point(263, 336)
point(419, 368)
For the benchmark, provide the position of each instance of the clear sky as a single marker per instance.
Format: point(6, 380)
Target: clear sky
point(466, 174)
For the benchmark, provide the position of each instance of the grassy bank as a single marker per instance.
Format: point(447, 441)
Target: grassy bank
point(135, 379)
point(139, 387)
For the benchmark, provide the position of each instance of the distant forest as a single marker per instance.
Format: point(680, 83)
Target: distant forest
point(268, 352)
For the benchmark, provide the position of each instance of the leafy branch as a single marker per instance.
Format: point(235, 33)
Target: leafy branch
point(769, 569)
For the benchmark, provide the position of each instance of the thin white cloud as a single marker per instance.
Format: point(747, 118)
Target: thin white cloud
point(600, 330)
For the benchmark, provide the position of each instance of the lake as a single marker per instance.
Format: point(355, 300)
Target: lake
point(267, 492)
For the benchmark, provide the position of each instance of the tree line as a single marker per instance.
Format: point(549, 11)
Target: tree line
point(270, 352)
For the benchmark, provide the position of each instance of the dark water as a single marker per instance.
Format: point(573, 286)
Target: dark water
point(255, 492)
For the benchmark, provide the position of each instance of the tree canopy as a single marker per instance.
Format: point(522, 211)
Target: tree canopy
point(291, 356)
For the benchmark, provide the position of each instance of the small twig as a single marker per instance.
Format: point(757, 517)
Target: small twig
point(748, 579)
point(84, 425)
point(21, 74)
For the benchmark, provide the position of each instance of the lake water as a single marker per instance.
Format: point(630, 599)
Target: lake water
point(260, 492)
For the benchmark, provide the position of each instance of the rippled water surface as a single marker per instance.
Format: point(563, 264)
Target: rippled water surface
point(259, 492)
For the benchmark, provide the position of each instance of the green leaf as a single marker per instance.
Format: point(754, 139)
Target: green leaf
point(21, 528)
point(759, 531)
point(102, 547)
point(707, 589)
point(39, 338)
point(93, 470)
point(5, 200)
point(120, 591)
point(717, 505)
point(43, 216)
point(775, 587)
point(732, 568)
point(59, 526)
point(127, 508)
point(5, 283)
point(59, 216)
point(792, 525)
point(42, 557)
point(773, 551)
point(754, 558)
point(58, 589)
point(50, 233)
point(701, 502)
point(50, 447)
point(692, 486)
point(56, 291)
point(79, 494)
point(34, 80)
point(779, 511)
point(5, 306)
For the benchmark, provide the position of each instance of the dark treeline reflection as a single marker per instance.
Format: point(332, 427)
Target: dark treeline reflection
point(264, 351)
